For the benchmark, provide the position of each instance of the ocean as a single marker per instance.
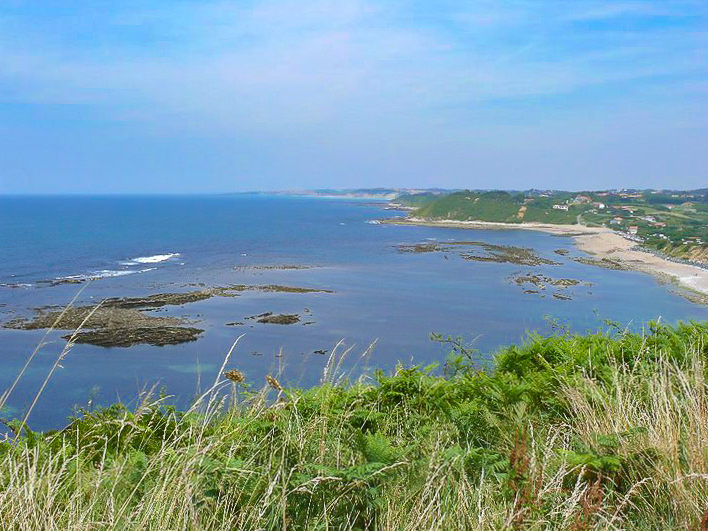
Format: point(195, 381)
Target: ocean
point(388, 289)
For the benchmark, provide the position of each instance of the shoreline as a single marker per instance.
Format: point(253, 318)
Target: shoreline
point(599, 242)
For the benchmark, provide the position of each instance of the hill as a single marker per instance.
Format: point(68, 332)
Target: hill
point(672, 222)
point(496, 206)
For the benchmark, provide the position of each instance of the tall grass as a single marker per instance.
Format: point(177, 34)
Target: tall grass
point(602, 431)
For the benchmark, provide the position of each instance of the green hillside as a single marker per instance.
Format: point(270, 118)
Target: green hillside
point(672, 222)
point(497, 206)
point(417, 200)
point(486, 206)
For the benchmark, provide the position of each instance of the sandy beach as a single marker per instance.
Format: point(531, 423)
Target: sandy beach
point(598, 242)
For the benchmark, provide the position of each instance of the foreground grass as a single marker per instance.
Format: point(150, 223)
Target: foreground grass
point(604, 431)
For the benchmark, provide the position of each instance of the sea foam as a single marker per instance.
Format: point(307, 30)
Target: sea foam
point(105, 273)
point(154, 259)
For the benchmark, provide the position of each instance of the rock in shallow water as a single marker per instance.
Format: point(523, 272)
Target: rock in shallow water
point(127, 337)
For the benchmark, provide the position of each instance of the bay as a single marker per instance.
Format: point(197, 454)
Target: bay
point(142, 245)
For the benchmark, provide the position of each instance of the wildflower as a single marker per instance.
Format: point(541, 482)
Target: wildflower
point(275, 384)
point(235, 376)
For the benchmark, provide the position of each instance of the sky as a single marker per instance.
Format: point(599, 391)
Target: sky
point(210, 96)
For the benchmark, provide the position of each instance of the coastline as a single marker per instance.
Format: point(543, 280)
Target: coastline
point(599, 242)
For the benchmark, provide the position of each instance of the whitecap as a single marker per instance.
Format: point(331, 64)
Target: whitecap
point(154, 259)
point(105, 273)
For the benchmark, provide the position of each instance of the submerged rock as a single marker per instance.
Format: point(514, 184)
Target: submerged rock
point(481, 252)
point(281, 319)
point(420, 248)
point(270, 288)
point(126, 321)
point(508, 254)
point(127, 337)
point(89, 317)
point(540, 282)
point(118, 322)
point(69, 280)
point(111, 327)
point(159, 300)
point(293, 267)
point(602, 262)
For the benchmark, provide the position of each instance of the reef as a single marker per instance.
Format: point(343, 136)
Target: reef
point(481, 252)
point(271, 318)
point(126, 321)
point(603, 262)
point(536, 284)
point(151, 335)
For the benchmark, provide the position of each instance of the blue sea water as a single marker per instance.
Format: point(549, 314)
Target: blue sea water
point(144, 245)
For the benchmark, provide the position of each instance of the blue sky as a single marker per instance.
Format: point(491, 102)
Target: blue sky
point(109, 96)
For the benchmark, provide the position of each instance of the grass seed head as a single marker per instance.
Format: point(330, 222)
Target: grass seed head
point(235, 376)
point(275, 384)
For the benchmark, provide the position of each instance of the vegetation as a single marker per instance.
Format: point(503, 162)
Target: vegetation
point(416, 199)
point(601, 431)
point(675, 223)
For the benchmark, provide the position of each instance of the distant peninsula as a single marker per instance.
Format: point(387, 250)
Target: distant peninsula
point(355, 193)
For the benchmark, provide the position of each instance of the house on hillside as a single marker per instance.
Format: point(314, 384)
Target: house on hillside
point(582, 199)
point(633, 229)
point(560, 207)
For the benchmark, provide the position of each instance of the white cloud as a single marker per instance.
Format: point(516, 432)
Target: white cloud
point(424, 80)
point(298, 60)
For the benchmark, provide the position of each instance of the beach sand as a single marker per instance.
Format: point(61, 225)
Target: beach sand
point(599, 242)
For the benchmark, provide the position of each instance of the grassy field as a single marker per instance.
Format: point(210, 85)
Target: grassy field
point(497, 206)
point(601, 431)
